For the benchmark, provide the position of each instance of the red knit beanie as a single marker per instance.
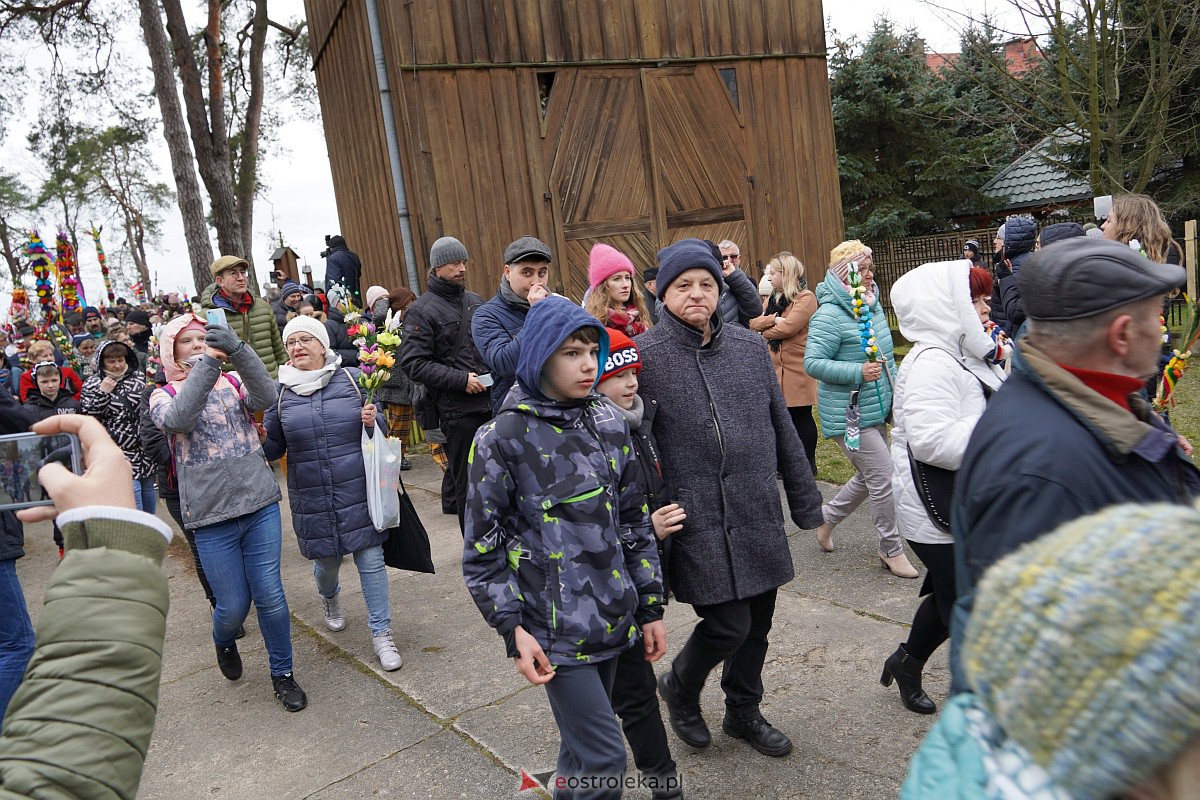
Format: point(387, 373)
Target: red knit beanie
point(604, 262)
point(622, 354)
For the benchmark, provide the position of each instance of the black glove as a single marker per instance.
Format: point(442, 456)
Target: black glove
point(1004, 270)
point(222, 337)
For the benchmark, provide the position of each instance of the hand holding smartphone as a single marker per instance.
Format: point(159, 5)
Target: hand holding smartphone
point(216, 316)
point(106, 481)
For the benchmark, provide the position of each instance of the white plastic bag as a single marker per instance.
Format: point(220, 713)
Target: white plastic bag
point(381, 457)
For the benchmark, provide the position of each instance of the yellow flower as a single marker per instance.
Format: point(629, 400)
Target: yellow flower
point(388, 339)
point(385, 360)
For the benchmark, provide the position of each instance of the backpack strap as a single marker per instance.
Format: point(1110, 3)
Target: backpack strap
point(988, 391)
point(353, 383)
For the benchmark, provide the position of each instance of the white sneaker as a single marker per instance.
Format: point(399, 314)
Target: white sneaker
point(333, 613)
point(385, 648)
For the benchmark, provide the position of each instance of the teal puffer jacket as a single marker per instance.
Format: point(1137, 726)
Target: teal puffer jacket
point(834, 356)
point(949, 763)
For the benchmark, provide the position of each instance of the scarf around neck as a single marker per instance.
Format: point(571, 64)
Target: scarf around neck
point(308, 381)
point(506, 291)
point(633, 416)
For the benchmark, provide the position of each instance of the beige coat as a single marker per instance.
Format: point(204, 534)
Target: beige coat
point(792, 333)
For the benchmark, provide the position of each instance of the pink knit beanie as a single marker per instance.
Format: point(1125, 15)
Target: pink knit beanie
point(604, 262)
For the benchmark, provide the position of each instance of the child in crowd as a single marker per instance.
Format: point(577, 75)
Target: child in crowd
point(85, 346)
point(41, 350)
point(614, 296)
point(112, 395)
point(50, 397)
point(635, 693)
point(228, 495)
point(558, 554)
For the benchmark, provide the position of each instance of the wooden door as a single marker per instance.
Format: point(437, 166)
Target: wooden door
point(598, 177)
point(697, 149)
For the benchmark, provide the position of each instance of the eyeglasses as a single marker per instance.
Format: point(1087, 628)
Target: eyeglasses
point(299, 341)
point(237, 272)
point(731, 256)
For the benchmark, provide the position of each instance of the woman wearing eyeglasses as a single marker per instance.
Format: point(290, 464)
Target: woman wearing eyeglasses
point(318, 420)
point(850, 354)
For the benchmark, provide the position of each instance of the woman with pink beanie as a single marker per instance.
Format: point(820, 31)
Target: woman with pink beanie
point(614, 297)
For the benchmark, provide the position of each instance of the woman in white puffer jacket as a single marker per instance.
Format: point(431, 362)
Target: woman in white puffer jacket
point(941, 391)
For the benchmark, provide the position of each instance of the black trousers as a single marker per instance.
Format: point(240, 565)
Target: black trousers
point(734, 633)
point(635, 699)
point(460, 432)
point(806, 426)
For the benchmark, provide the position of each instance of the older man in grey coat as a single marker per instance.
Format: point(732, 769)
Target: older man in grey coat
point(720, 455)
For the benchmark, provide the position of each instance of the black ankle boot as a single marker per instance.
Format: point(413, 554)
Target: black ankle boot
point(230, 662)
point(683, 713)
point(906, 671)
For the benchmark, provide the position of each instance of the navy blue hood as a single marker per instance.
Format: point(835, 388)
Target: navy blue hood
point(547, 326)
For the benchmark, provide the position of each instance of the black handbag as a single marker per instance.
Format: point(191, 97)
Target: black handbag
point(407, 545)
point(935, 487)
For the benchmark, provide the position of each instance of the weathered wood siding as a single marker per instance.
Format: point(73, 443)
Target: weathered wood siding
point(639, 143)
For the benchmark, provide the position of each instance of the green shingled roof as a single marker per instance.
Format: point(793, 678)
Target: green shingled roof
point(1034, 180)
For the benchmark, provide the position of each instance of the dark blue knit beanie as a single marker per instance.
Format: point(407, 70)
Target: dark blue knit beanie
point(678, 258)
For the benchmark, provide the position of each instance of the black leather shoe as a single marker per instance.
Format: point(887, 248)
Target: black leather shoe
point(405, 465)
point(685, 717)
point(230, 662)
point(758, 733)
point(289, 692)
point(241, 634)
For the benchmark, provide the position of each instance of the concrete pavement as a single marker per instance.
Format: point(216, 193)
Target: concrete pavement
point(457, 721)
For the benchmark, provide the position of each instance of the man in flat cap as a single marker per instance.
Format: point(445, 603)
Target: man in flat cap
point(1070, 432)
point(497, 325)
point(250, 317)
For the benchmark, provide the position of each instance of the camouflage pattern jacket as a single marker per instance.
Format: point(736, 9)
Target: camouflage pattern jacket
point(557, 529)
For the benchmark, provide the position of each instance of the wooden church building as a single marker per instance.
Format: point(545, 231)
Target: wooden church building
point(632, 122)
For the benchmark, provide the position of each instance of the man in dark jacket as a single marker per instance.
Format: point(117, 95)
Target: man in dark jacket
point(1069, 432)
point(496, 327)
point(709, 379)
point(438, 352)
point(16, 630)
point(740, 301)
point(291, 294)
point(1020, 237)
point(343, 266)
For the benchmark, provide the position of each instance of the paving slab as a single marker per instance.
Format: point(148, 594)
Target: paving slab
point(458, 721)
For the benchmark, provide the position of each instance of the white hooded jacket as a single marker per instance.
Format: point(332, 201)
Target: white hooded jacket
point(938, 397)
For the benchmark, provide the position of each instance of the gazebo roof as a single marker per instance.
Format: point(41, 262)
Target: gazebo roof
point(1034, 179)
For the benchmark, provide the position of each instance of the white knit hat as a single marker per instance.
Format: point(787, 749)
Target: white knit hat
point(309, 325)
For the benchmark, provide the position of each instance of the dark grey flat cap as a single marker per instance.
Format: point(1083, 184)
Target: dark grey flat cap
point(1082, 277)
point(527, 247)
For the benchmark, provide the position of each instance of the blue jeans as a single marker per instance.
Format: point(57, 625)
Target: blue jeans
point(16, 633)
point(241, 559)
point(144, 496)
point(372, 574)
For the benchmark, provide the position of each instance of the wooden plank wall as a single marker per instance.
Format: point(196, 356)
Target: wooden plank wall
point(480, 162)
point(354, 136)
point(541, 31)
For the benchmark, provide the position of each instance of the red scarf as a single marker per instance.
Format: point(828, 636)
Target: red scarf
point(240, 306)
point(626, 321)
point(1115, 387)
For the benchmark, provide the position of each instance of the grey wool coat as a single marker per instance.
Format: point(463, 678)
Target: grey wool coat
point(723, 431)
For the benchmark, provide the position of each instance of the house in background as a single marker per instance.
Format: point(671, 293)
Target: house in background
point(633, 122)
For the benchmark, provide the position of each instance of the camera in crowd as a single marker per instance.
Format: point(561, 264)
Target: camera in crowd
point(325, 253)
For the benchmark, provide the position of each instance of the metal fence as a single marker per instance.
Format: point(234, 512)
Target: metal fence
point(894, 257)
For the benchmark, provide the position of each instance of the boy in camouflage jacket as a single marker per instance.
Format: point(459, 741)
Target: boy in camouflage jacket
point(558, 554)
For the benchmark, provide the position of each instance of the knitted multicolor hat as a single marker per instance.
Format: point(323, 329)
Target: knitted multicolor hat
point(841, 256)
point(1085, 646)
point(622, 354)
point(604, 262)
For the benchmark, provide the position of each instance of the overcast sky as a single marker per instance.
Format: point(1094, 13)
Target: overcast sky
point(298, 191)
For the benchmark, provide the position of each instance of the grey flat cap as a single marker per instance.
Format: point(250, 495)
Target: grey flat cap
point(527, 247)
point(1082, 277)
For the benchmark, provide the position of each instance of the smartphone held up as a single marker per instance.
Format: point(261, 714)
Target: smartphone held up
point(22, 455)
